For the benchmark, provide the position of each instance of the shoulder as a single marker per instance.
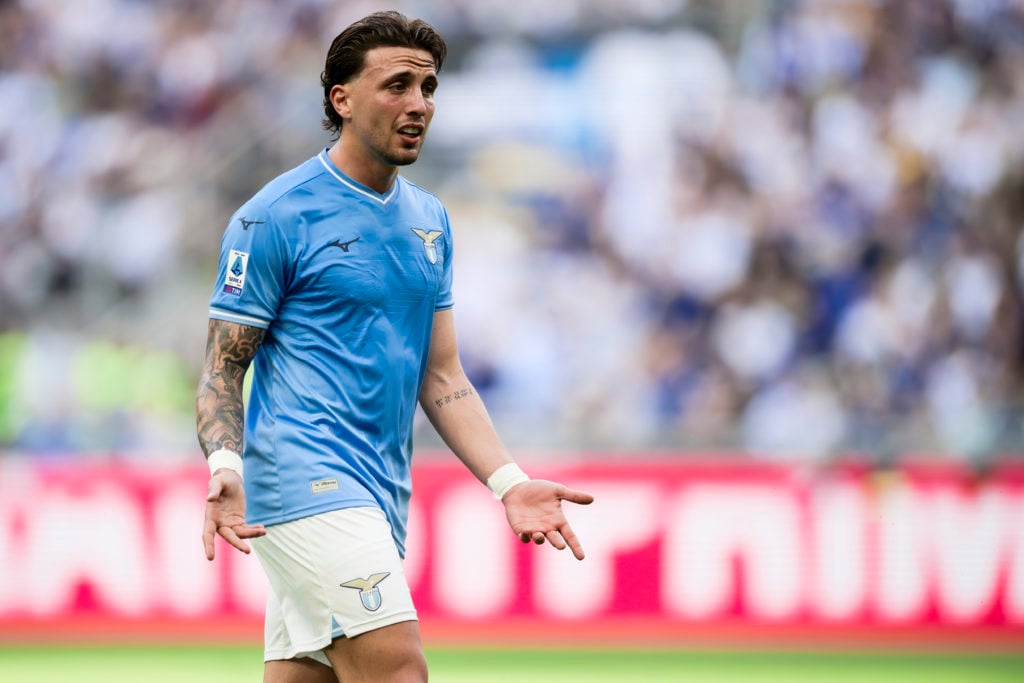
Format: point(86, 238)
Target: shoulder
point(424, 202)
point(417, 193)
point(294, 186)
point(285, 194)
point(267, 220)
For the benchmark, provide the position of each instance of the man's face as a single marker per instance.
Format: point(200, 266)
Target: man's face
point(388, 106)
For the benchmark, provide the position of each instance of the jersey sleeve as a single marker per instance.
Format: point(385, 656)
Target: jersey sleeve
point(444, 295)
point(252, 270)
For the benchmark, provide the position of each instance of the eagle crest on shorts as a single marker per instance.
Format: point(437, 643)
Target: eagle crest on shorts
point(369, 594)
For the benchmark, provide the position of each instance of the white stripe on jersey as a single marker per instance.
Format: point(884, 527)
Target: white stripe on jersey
point(221, 314)
point(355, 188)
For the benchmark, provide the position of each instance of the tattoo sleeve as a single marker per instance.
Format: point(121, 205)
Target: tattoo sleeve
point(220, 412)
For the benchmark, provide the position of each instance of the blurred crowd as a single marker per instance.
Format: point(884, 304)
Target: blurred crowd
point(786, 229)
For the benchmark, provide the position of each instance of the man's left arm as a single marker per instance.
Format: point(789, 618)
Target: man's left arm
point(533, 506)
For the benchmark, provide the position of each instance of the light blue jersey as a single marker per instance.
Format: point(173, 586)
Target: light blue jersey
point(346, 282)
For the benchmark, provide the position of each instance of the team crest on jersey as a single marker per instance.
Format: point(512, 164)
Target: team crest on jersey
point(369, 594)
point(428, 237)
point(234, 278)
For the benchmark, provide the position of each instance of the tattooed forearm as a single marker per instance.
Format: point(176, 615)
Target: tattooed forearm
point(454, 396)
point(219, 409)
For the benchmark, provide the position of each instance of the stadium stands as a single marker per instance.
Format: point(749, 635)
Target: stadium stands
point(787, 229)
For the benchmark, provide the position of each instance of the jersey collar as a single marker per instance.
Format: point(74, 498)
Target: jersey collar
point(382, 199)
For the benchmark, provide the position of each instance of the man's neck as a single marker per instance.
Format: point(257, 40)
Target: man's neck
point(376, 176)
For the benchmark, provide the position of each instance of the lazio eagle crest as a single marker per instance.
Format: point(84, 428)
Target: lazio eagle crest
point(428, 237)
point(369, 594)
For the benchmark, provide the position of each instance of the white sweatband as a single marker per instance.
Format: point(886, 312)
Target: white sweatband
point(225, 458)
point(504, 478)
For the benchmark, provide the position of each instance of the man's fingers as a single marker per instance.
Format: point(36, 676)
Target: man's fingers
point(561, 539)
point(209, 533)
point(578, 497)
point(229, 535)
point(544, 521)
point(235, 534)
point(249, 530)
point(574, 543)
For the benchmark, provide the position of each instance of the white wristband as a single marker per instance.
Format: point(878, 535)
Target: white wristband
point(225, 458)
point(504, 478)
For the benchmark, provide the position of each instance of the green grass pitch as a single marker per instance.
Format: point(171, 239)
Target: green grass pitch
point(196, 664)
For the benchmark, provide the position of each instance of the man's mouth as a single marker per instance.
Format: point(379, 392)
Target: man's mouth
point(411, 131)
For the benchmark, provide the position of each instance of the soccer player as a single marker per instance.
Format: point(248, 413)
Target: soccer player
point(335, 281)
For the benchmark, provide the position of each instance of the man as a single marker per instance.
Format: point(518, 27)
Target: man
point(335, 280)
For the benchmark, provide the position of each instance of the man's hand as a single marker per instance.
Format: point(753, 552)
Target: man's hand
point(225, 513)
point(534, 511)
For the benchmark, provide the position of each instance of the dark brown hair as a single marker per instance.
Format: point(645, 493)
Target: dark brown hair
point(381, 29)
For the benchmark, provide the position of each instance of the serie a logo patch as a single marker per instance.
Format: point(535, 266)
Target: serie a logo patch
point(234, 278)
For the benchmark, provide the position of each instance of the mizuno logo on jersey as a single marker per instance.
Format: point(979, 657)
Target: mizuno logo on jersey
point(342, 245)
point(369, 594)
point(246, 223)
point(428, 237)
point(234, 278)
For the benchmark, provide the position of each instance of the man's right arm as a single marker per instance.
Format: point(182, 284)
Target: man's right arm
point(220, 416)
point(220, 413)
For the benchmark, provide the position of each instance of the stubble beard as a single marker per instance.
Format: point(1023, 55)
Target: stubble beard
point(406, 160)
point(403, 157)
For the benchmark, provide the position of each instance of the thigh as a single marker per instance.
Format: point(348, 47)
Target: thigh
point(391, 653)
point(301, 670)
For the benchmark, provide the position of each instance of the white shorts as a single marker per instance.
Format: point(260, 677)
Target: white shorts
point(333, 574)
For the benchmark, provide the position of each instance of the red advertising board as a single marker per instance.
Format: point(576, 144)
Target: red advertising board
point(677, 551)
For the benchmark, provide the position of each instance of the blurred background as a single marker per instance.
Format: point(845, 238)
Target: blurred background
point(778, 229)
point(750, 272)
point(786, 229)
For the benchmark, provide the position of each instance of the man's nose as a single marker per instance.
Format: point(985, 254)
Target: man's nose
point(417, 103)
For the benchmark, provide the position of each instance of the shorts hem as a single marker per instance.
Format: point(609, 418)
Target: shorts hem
point(296, 652)
point(319, 644)
point(374, 624)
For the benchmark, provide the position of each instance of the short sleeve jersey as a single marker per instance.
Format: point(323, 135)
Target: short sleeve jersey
point(345, 281)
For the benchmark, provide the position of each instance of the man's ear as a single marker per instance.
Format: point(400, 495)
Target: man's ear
point(339, 100)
